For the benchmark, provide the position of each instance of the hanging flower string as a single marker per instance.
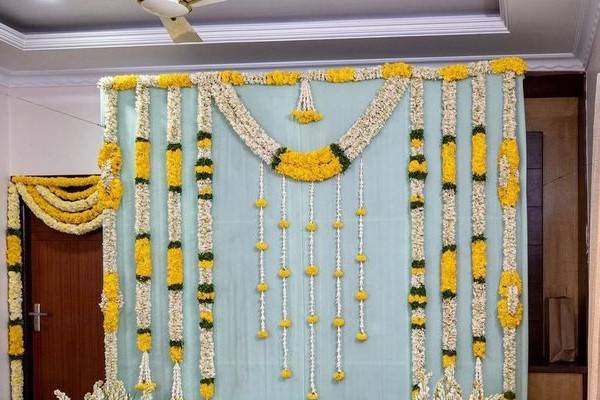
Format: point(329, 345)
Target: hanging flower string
point(311, 271)
point(111, 301)
point(361, 294)
point(417, 299)
point(143, 253)
point(14, 265)
point(510, 308)
point(284, 273)
point(261, 246)
point(478, 226)
point(338, 321)
point(448, 387)
point(305, 111)
point(206, 290)
point(174, 156)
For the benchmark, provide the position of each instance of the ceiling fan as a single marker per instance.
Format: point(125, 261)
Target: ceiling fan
point(171, 14)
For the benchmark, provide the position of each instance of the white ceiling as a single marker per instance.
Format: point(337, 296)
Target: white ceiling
point(75, 41)
point(61, 15)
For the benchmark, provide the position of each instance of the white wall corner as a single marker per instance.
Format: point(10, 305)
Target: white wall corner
point(587, 25)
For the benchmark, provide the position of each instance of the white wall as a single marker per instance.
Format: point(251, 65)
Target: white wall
point(37, 141)
point(44, 142)
point(4, 172)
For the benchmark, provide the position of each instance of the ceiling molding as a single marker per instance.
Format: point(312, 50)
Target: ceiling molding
point(264, 32)
point(587, 25)
point(89, 77)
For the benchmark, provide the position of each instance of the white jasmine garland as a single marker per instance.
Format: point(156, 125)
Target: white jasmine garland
point(448, 388)
point(261, 287)
point(361, 257)
point(284, 274)
point(312, 318)
point(174, 259)
point(338, 321)
point(65, 205)
point(352, 143)
point(143, 286)
point(510, 284)
point(205, 242)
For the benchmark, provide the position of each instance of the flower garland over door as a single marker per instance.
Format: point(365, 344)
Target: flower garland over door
point(91, 208)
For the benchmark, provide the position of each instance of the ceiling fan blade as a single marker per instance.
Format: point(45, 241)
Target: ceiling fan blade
point(200, 3)
point(180, 30)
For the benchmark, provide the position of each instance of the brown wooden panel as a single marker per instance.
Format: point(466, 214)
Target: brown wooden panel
point(66, 279)
point(544, 386)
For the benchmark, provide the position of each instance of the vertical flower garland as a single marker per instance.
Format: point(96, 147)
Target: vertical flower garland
point(111, 301)
point(338, 321)
point(206, 290)
point(311, 271)
point(478, 225)
point(174, 157)
point(284, 273)
point(510, 309)
point(14, 265)
point(417, 299)
point(361, 294)
point(448, 388)
point(261, 246)
point(143, 253)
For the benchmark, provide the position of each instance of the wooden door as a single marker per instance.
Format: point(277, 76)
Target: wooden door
point(64, 276)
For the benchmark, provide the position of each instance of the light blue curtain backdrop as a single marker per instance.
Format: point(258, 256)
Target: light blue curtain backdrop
point(247, 368)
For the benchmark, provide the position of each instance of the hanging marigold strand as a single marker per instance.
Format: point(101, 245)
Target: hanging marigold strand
point(174, 157)
point(510, 308)
point(142, 249)
point(305, 111)
point(338, 321)
point(261, 246)
point(448, 387)
point(284, 273)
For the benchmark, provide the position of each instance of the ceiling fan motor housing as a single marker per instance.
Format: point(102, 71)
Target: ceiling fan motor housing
point(166, 8)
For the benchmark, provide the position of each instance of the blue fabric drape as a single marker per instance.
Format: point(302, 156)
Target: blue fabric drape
point(248, 368)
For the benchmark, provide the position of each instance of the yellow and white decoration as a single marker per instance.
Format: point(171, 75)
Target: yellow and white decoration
point(80, 205)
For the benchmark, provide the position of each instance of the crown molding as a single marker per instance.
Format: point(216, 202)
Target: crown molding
point(263, 32)
point(587, 25)
point(557, 62)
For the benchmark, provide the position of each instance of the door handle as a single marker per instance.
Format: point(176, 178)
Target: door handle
point(37, 315)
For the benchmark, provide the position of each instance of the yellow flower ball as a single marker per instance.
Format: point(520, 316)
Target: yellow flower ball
point(311, 270)
point(339, 376)
point(338, 273)
point(285, 323)
point(261, 202)
point(262, 334)
point(207, 390)
point(338, 225)
point(262, 246)
point(312, 396)
point(312, 226)
point(361, 295)
point(312, 319)
point(283, 224)
point(361, 258)
point(362, 336)
point(262, 287)
point(448, 360)
point(286, 373)
point(284, 272)
point(361, 211)
point(479, 349)
point(338, 321)
point(146, 387)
